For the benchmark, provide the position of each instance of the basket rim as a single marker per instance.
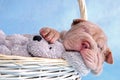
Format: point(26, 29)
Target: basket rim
point(14, 57)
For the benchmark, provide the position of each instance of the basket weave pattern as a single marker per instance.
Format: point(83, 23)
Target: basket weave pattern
point(26, 68)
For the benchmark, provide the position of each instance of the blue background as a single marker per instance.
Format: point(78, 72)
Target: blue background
point(28, 16)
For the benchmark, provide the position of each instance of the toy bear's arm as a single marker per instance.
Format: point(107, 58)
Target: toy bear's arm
point(75, 60)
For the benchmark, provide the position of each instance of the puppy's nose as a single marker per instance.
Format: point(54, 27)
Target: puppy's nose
point(37, 38)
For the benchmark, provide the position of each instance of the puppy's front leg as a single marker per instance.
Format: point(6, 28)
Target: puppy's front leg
point(50, 35)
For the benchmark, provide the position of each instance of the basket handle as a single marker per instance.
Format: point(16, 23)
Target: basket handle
point(83, 10)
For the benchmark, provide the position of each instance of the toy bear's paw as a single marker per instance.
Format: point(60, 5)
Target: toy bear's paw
point(76, 61)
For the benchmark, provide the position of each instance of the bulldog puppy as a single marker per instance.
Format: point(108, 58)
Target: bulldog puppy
point(91, 41)
point(87, 38)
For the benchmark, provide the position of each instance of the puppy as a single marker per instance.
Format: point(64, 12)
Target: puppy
point(91, 41)
point(88, 39)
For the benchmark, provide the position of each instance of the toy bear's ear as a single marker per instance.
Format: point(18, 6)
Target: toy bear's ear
point(76, 21)
point(108, 56)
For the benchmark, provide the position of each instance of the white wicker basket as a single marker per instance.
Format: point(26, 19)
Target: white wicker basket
point(27, 68)
point(32, 68)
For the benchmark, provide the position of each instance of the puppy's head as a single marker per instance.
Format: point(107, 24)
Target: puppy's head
point(88, 38)
point(98, 36)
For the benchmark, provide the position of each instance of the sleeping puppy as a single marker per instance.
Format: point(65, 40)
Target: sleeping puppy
point(91, 41)
point(88, 39)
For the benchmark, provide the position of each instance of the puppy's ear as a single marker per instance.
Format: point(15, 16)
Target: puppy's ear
point(108, 56)
point(76, 21)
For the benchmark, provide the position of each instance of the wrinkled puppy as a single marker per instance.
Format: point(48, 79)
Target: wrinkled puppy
point(91, 41)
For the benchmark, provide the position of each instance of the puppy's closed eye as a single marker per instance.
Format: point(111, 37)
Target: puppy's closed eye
point(101, 48)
